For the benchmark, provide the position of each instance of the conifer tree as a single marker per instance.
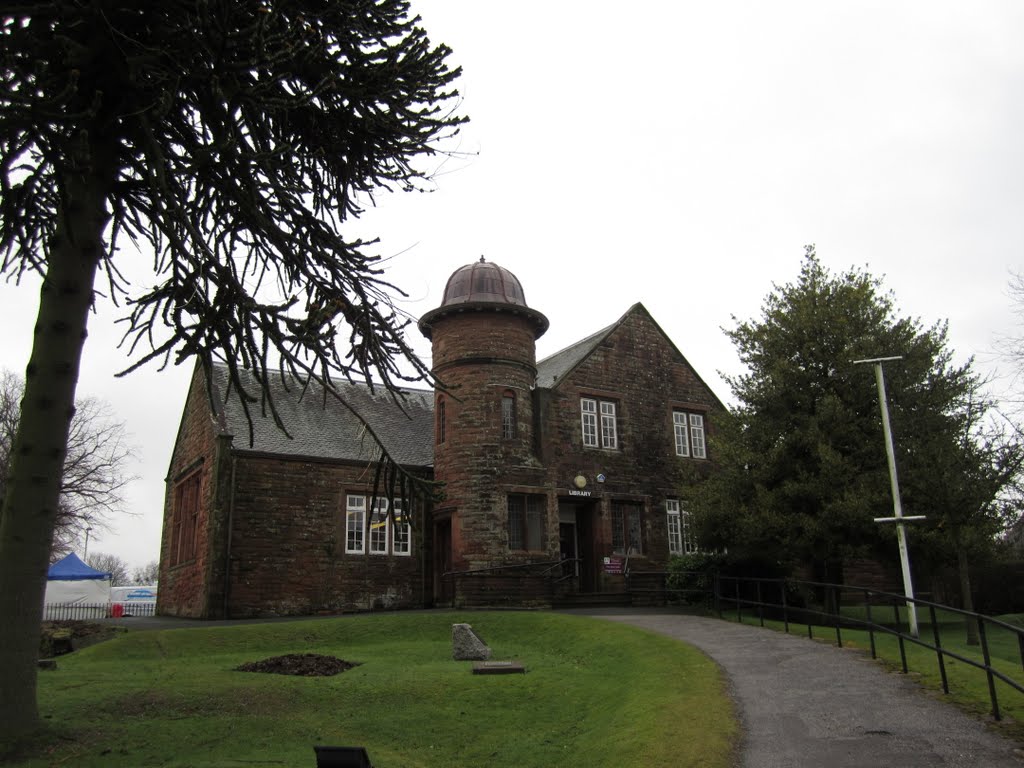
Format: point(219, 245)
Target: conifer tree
point(803, 468)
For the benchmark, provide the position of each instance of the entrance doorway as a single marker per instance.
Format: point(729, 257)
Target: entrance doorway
point(442, 562)
point(568, 548)
point(576, 541)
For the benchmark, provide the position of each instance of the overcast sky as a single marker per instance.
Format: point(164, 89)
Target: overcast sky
point(681, 154)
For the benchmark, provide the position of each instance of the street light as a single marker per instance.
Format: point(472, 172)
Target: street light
point(898, 518)
point(85, 553)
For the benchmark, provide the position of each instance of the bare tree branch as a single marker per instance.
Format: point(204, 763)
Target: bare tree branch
point(96, 465)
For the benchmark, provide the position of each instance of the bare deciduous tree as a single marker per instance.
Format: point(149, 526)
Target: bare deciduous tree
point(96, 465)
point(146, 574)
point(1011, 346)
point(112, 564)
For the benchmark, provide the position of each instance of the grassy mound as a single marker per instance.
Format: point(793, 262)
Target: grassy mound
point(595, 694)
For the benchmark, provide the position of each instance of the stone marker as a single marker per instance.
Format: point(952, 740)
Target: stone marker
point(498, 668)
point(467, 645)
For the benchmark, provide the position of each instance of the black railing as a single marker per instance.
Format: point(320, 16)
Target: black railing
point(835, 607)
point(519, 583)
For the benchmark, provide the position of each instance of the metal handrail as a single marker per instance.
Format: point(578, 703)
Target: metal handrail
point(560, 564)
point(879, 598)
point(493, 568)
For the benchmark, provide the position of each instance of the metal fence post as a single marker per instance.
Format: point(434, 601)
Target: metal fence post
point(718, 595)
point(785, 607)
point(870, 622)
point(938, 648)
point(835, 615)
point(899, 636)
point(988, 668)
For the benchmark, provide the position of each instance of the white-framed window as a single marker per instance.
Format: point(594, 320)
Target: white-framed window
point(401, 535)
point(525, 521)
point(627, 528)
point(689, 432)
point(355, 524)
point(607, 435)
point(680, 533)
point(388, 534)
point(380, 527)
point(675, 528)
point(588, 411)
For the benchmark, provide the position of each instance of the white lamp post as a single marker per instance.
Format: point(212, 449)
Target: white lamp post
point(898, 518)
point(85, 553)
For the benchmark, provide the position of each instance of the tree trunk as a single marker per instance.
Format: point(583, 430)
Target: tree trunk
point(29, 509)
point(966, 598)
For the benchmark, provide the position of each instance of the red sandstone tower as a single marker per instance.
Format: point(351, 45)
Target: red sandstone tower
point(484, 354)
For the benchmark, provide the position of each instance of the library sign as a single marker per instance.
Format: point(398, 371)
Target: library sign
point(580, 486)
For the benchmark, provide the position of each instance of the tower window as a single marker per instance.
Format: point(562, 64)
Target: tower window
point(525, 521)
point(508, 416)
point(441, 417)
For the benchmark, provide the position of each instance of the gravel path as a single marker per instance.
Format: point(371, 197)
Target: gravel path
point(807, 704)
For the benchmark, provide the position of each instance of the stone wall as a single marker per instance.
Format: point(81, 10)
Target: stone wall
point(184, 587)
point(639, 369)
point(480, 356)
point(272, 530)
point(287, 552)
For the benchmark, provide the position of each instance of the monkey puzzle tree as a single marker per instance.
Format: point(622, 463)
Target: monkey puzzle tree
point(230, 139)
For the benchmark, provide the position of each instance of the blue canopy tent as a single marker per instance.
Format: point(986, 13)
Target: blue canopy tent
point(71, 568)
point(70, 581)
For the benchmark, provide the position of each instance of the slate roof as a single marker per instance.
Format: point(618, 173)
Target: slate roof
point(325, 429)
point(555, 367)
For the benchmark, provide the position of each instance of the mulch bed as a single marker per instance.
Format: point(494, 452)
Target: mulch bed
point(59, 637)
point(301, 664)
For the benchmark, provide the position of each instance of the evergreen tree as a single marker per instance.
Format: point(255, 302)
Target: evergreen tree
point(971, 489)
point(803, 463)
point(231, 140)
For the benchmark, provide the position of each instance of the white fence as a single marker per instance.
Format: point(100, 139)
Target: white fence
point(86, 611)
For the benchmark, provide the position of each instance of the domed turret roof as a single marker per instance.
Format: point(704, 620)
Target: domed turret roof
point(483, 285)
point(483, 281)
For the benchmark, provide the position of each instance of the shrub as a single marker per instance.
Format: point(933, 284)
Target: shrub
point(691, 578)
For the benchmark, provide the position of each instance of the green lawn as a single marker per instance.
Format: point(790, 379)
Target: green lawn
point(595, 694)
point(968, 686)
